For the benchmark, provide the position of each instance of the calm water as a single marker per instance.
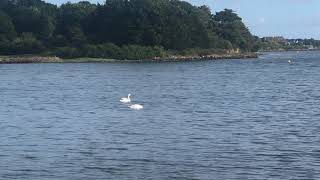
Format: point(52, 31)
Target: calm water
point(233, 119)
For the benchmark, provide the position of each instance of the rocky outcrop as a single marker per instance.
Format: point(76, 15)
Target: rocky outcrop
point(210, 57)
point(28, 59)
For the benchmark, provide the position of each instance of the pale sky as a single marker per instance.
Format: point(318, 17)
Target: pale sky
point(288, 18)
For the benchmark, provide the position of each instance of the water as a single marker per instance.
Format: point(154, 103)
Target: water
point(232, 119)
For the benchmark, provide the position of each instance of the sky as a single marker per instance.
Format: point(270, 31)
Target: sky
point(288, 18)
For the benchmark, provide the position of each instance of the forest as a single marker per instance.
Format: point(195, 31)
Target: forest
point(120, 29)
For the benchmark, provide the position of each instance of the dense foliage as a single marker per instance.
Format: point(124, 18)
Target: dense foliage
point(121, 29)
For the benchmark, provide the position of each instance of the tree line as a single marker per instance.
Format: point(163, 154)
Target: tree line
point(120, 29)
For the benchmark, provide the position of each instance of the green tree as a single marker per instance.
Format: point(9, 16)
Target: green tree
point(27, 43)
point(7, 30)
point(124, 29)
point(72, 20)
point(37, 22)
point(231, 28)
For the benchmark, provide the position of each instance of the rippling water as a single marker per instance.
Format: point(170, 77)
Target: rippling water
point(232, 119)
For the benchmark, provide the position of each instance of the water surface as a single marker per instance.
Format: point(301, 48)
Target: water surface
point(224, 119)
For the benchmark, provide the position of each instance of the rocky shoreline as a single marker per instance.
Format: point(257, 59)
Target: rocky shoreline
point(212, 57)
point(28, 59)
point(49, 59)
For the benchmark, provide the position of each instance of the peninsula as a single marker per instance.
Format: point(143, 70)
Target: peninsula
point(36, 31)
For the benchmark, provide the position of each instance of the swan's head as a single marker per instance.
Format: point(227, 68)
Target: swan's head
point(129, 95)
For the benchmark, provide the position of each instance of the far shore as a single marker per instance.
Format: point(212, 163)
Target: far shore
point(289, 50)
point(25, 59)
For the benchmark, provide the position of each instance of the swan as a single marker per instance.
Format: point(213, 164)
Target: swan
point(289, 61)
point(126, 99)
point(136, 106)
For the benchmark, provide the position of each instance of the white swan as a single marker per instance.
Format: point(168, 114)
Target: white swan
point(136, 106)
point(289, 61)
point(126, 99)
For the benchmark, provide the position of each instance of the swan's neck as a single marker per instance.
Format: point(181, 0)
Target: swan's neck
point(128, 96)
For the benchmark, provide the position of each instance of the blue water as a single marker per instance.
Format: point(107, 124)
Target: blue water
point(224, 119)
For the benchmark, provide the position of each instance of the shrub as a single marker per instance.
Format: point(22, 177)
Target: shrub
point(25, 44)
point(135, 52)
point(67, 52)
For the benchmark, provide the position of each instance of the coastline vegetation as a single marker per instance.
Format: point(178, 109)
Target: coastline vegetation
point(282, 44)
point(120, 29)
point(130, 30)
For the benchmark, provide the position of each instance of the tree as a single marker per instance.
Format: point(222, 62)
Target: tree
point(231, 28)
point(7, 31)
point(40, 19)
point(27, 43)
point(127, 27)
point(172, 24)
point(72, 20)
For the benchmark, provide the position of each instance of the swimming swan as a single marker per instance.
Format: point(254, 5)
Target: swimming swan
point(136, 106)
point(126, 100)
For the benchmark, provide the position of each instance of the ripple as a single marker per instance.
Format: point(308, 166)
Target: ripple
point(205, 120)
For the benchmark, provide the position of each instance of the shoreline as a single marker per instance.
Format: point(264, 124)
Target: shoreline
point(288, 50)
point(27, 59)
